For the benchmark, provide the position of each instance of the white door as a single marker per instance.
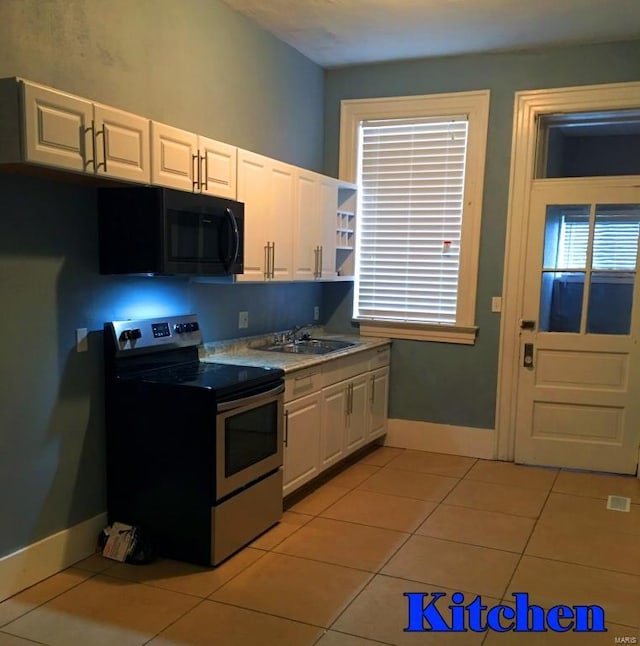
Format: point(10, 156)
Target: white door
point(334, 421)
point(253, 190)
point(579, 376)
point(218, 165)
point(174, 157)
point(327, 211)
point(280, 222)
point(358, 414)
point(301, 441)
point(307, 238)
point(121, 144)
point(378, 403)
point(57, 129)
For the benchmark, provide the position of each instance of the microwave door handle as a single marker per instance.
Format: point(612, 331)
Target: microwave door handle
point(236, 239)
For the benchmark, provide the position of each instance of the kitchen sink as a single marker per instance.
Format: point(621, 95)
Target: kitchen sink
point(308, 346)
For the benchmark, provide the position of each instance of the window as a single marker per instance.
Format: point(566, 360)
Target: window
point(419, 166)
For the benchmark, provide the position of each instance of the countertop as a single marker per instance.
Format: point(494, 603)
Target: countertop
point(243, 351)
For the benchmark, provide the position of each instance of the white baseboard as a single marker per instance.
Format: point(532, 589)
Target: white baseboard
point(441, 438)
point(49, 556)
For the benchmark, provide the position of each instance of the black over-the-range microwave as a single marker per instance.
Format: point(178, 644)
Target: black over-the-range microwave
point(154, 230)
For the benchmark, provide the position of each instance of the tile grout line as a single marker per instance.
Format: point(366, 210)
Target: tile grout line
point(533, 529)
point(55, 596)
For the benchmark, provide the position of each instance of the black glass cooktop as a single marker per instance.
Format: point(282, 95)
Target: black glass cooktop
point(219, 377)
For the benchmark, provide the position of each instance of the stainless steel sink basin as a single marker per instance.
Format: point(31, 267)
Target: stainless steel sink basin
point(308, 346)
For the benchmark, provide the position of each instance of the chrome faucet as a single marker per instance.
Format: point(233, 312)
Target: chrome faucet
point(291, 334)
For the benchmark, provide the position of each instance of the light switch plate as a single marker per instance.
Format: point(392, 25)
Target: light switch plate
point(316, 313)
point(243, 320)
point(496, 304)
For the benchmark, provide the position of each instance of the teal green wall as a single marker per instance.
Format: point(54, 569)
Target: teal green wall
point(193, 64)
point(455, 384)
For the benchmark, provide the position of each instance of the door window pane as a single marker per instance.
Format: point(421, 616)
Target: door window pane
point(589, 144)
point(561, 301)
point(615, 243)
point(610, 303)
point(566, 236)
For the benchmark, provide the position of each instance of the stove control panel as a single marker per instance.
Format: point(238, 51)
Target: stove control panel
point(183, 328)
point(161, 333)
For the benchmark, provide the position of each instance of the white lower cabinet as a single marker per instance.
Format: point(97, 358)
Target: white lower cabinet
point(301, 441)
point(335, 402)
point(343, 408)
point(378, 389)
point(358, 414)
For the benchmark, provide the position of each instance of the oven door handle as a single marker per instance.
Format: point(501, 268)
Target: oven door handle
point(248, 401)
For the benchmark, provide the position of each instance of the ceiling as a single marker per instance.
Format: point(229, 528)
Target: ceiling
point(333, 33)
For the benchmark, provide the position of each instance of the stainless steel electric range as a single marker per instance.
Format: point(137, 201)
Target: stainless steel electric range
point(194, 449)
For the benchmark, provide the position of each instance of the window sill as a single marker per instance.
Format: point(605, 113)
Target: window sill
point(465, 335)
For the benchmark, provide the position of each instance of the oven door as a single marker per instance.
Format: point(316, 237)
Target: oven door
point(249, 436)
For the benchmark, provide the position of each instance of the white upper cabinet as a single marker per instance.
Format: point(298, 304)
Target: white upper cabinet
point(57, 129)
point(174, 157)
point(328, 198)
point(121, 144)
point(188, 162)
point(306, 226)
point(218, 168)
point(266, 187)
point(314, 248)
point(41, 125)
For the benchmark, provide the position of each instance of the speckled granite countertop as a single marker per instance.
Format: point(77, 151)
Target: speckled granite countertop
point(243, 351)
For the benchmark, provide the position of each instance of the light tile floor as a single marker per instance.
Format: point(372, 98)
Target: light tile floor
point(334, 571)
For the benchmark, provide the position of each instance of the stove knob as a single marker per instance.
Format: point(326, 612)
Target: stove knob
point(179, 328)
point(194, 326)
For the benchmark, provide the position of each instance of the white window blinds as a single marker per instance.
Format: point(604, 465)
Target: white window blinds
point(411, 178)
point(615, 242)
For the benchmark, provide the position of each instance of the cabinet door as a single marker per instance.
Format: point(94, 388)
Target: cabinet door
point(302, 441)
point(328, 204)
point(378, 389)
point(358, 416)
point(306, 226)
point(218, 166)
point(253, 190)
point(122, 148)
point(174, 157)
point(57, 129)
point(334, 416)
point(280, 224)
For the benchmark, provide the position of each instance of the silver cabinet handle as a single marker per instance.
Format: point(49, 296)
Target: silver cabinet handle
point(195, 167)
point(266, 261)
point(273, 259)
point(204, 184)
point(286, 428)
point(93, 160)
point(372, 397)
point(320, 249)
point(103, 132)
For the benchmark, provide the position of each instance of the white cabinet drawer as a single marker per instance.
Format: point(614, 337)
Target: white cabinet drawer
point(345, 368)
point(302, 382)
point(380, 357)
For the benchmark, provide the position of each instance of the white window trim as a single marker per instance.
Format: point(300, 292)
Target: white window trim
point(476, 106)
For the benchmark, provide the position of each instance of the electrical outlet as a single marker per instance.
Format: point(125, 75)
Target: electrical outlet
point(82, 339)
point(496, 304)
point(316, 313)
point(243, 320)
